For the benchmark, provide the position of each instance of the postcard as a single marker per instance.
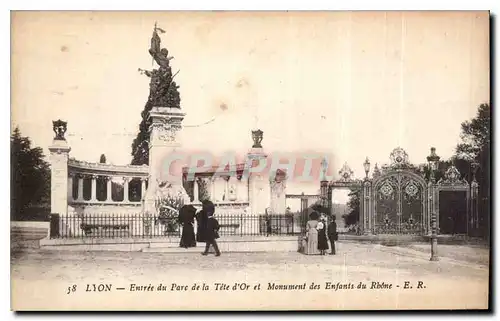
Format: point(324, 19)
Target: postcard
point(250, 161)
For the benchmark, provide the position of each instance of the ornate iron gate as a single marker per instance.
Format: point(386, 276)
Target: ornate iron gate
point(399, 204)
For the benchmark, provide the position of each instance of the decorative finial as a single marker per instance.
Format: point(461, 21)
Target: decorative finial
point(376, 171)
point(59, 127)
point(257, 136)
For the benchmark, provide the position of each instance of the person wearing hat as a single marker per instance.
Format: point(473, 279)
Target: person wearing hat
point(312, 234)
point(332, 234)
point(322, 240)
point(186, 218)
point(212, 228)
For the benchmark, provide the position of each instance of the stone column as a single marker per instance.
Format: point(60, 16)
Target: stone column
point(196, 192)
point(93, 193)
point(70, 186)
point(126, 180)
point(59, 156)
point(216, 189)
point(143, 187)
point(166, 122)
point(109, 188)
point(232, 188)
point(212, 188)
point(207, 183)
point(226, 188)
point(80, 187)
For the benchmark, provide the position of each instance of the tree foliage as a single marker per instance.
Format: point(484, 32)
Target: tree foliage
point(352, 217)
point(30, 177)
point(475, 147)
point(475, 135)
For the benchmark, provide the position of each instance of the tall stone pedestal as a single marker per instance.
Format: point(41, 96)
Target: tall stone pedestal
point(59, 154)
point(259, 188)
point(164, 166)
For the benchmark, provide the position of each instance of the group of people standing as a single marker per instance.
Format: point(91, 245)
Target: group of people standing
point(318, 234)
point(207, 230)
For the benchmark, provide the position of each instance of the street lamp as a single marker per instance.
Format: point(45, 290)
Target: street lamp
point(366, 165)
point(474, 190)
point(433, 160)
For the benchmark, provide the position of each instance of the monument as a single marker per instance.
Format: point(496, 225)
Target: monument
point(165, 121)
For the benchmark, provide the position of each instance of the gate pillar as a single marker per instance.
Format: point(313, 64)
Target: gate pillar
point(365, 209)
point(325, 196)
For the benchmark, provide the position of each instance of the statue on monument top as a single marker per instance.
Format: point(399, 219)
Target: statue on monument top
point(162, 89)
point(160, 55)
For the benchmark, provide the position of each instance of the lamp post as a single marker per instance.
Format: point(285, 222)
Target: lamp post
point(474, 191)
point(366, 165)
point(433, 160)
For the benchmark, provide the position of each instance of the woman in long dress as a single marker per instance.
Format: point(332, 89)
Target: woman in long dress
point(186, 218)
point(201, 222)
point(312, 234)
point(322, 240)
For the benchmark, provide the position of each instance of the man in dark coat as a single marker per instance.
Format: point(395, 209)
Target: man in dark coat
point(212, 228)
point(332, 234)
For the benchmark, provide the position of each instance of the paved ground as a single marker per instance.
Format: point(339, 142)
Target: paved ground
point(41, 279)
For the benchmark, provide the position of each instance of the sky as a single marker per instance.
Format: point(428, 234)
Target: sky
point(351, 84)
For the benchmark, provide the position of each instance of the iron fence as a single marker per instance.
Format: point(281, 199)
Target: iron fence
point(111, 225)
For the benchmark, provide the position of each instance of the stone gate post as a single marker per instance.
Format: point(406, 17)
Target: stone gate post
point(59, 154)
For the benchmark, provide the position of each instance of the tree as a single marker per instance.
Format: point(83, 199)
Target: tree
point(352, 217)
point(475, 147)
point(30, 177)
point(163, 92)
point(475, 135)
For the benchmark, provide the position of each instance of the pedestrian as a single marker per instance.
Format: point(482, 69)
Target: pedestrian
point(332, 234)
point(312, 234)
point(212, 228)
point(201, 225)
point(322, 240)
point(186, 218)
point(267, 219)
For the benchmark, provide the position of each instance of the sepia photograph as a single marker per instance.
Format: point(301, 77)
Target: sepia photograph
point(250, 160)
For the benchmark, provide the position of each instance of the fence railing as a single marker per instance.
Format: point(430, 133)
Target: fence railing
point(109, 225)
